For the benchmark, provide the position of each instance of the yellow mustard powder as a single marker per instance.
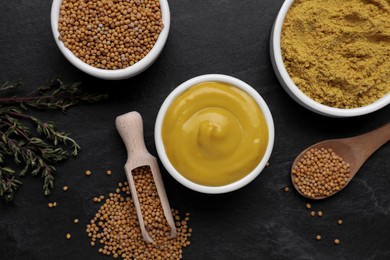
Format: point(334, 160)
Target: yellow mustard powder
point(337, 51)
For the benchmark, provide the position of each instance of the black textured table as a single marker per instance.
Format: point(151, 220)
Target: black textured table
point(259, 221)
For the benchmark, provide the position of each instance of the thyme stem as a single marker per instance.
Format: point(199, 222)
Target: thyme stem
point(36, 152)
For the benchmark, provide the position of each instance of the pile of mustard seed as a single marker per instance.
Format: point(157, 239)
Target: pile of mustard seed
point(110, 34)
point(115, 226)
point(320, 172)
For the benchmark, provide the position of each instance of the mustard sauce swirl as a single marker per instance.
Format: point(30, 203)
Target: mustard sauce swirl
point(214, 134)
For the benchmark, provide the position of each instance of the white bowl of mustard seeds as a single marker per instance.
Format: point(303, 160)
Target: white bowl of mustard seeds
point(120, 58)
point(333, 58)
point(214, 134)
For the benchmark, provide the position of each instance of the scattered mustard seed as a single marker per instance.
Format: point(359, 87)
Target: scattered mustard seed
point(92, 243)
point(337, 241)
point(286, 189)
point(65, 188)
point(308, 206)
point(88, 172)
point(109, 172)
point(52, 204)
point(312, 213)
point(76, 221)
point(320, 213)
point(68, 236)
point(340, 221)
point(267, 164)
point(318, 237)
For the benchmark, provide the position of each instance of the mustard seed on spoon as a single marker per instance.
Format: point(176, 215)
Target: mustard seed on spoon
point(327, 167)
point(320, 172)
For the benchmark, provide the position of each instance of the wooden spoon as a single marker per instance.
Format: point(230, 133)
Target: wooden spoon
point(130, 129)
point(355, 151)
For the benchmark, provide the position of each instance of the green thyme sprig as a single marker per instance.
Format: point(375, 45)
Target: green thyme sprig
point(35, 152)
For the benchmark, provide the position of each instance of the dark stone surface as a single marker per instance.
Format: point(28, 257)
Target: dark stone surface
point(260, 221)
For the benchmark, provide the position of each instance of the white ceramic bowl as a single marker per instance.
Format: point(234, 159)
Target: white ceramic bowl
point(128, 72)
point(295, 92)
point(160, 145)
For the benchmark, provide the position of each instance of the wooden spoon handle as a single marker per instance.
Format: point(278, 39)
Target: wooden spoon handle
point(131, 130)
point(366, 144)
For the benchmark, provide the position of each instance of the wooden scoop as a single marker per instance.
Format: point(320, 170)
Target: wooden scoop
point(355, 151)
point(130, 129)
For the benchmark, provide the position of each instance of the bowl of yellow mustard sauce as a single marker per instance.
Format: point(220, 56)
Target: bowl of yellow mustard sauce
point(214, 133)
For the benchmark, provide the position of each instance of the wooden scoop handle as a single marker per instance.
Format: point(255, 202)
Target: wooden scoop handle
point(130, 128)
point(366, 144)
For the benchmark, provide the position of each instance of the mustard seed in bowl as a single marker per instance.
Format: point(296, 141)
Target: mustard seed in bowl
point(110, 34)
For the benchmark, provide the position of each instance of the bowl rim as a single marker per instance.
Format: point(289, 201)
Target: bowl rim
point(276, 55)
point(117, 74)
point(161, 149)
